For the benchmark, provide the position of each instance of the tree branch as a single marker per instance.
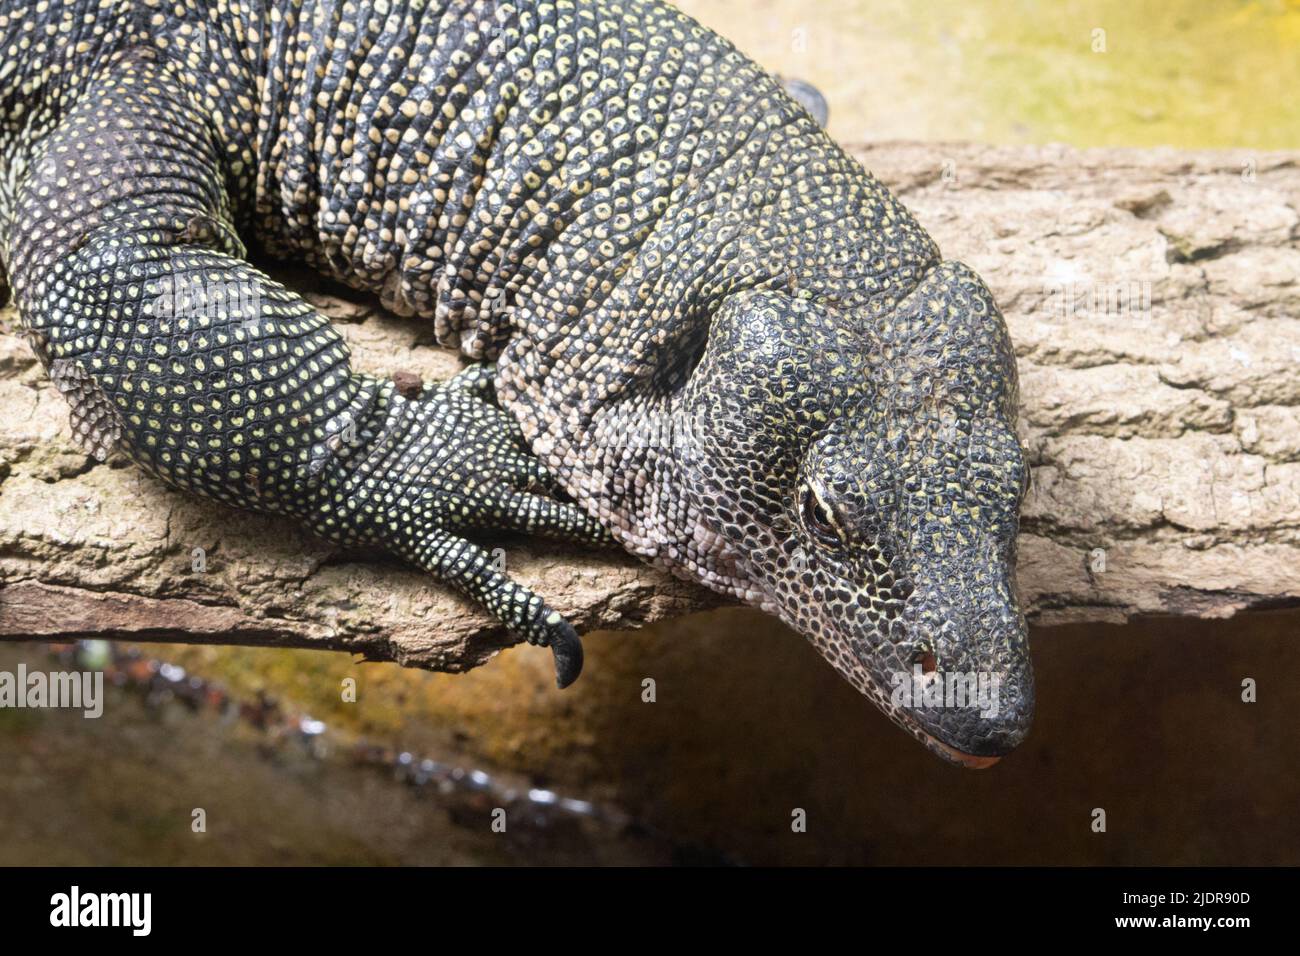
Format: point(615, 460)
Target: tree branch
point(1154, 304)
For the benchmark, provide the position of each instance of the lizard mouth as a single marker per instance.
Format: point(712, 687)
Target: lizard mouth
point(952, 754)
point(945, 751)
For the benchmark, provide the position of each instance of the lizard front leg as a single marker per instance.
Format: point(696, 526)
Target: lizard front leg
point(169, 347)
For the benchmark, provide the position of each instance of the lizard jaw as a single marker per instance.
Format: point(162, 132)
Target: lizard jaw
point(953, 755)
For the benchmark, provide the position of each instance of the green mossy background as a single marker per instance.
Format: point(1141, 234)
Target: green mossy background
point(1185, 73)
point(1145, 720)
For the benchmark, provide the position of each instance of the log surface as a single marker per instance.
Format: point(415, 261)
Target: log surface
point(1153, 299)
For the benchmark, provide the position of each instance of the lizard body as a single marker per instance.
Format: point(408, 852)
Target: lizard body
point(712, 335)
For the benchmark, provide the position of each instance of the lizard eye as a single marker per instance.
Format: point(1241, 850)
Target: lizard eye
point(817, 519)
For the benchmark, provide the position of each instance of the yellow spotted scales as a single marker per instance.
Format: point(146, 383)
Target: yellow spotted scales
point(698, 328)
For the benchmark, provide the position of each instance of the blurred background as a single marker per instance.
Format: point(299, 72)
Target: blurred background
point(750, 725)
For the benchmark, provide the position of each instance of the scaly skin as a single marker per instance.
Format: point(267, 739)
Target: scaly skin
point(726, 342)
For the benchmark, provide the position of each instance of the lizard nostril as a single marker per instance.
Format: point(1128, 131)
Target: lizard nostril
point(929, 663)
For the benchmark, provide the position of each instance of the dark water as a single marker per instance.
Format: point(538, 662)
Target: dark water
point(1144, 721)
point(270, 785)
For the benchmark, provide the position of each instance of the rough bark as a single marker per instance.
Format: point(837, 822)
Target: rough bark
point(1154, 303)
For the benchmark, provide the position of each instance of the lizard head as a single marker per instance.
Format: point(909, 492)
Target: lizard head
point(874, 461)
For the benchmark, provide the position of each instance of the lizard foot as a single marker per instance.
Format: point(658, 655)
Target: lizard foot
point(478, 575)
point(424, 474)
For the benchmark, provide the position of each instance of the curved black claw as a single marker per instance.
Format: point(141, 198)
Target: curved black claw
point(567, 648)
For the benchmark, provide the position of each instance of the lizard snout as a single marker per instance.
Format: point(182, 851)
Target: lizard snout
point(973, 718)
